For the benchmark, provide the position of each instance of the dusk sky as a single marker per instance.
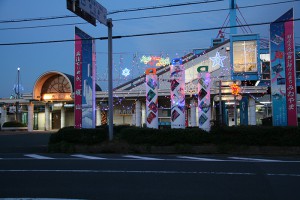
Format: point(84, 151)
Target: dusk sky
point(36, 59)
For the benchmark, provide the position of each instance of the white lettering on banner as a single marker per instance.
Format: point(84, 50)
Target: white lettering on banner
point(289, 65)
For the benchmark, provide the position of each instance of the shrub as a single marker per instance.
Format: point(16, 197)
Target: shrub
point(79, 136)
point(14, 124)
point(219, 135)
point(163, 137)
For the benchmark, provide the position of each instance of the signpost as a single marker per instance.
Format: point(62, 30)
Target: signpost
point(90, 10)
point(96, 10)
point(73, 6)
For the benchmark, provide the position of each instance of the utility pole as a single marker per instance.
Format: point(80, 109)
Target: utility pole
point(110, 86)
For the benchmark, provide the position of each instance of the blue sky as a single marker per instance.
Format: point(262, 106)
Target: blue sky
point(34, 60)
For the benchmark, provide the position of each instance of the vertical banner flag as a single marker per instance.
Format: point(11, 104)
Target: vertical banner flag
point(290, 73)
point(283, 79)
point(177, 79)
point(151, 98)
point(85, 61)
point(204, 85)
point(244, 111)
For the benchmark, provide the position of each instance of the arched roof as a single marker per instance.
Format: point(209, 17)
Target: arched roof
point(42, 80)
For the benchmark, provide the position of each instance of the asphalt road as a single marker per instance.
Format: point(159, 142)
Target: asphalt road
point(24, 142)
point(28, 171)
point(173, 177)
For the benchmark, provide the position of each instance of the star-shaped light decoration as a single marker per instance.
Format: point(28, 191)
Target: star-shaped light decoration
point(218, 60)
point(126, 72)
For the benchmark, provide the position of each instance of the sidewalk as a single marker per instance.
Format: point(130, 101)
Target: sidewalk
point(2, 132)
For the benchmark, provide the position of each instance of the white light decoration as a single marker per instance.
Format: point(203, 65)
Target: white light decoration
point(204, 102)
point(177, 92)
point(151, 98)
point(126, 72)
point(218, 60)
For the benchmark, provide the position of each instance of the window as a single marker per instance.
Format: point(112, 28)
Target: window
point(245, 56)
point(56, 84)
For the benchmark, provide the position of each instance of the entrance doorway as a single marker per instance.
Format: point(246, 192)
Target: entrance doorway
point(56, 123)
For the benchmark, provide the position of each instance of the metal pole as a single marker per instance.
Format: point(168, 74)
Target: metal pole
point(235, 111)
point(18, 83)
point(220, 102)
point(110, 86)
point(18, 96)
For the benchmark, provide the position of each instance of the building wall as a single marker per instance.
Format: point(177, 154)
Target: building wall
point(41, 121)
point(69, 118)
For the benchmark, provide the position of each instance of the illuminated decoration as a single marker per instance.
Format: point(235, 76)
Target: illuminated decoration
point(103, 117)
point(126, 72)
point(235, 89)
point(204, 104)
point(151, 98)
point(244, 56)
point(155, 61)
point(177, 79)
point(218, 60)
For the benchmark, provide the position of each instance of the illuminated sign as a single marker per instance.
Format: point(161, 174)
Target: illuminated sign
point(155, 61)
point(57, 96)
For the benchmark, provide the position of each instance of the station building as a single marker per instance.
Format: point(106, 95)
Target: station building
point(51, 103)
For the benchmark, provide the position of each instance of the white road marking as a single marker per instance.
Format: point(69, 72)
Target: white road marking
point(36, 156)
point(199, 159)
point(35, 199)
point(130, 171)
point(146, 172)
point(294, 175)
point(142, 157)
point(254, 159)
point(88, 157)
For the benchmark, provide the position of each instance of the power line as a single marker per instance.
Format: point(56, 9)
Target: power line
point(36, 19)
point(145, 34)
point(109, 13)
point(124, 19)
point(205, 11)
point(42, 26)
point(163, 6)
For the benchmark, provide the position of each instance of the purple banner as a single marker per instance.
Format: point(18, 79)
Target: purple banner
point(85, 70)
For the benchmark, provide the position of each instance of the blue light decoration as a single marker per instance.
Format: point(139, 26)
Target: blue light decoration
point(218, 60)
point(126, 72)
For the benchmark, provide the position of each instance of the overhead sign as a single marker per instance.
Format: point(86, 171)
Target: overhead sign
point(93, 8)
point(73, 6)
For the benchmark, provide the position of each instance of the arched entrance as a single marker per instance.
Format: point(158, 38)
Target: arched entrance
point(54, 90)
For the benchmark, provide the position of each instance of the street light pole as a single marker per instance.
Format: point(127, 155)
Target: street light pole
point(18, 95)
